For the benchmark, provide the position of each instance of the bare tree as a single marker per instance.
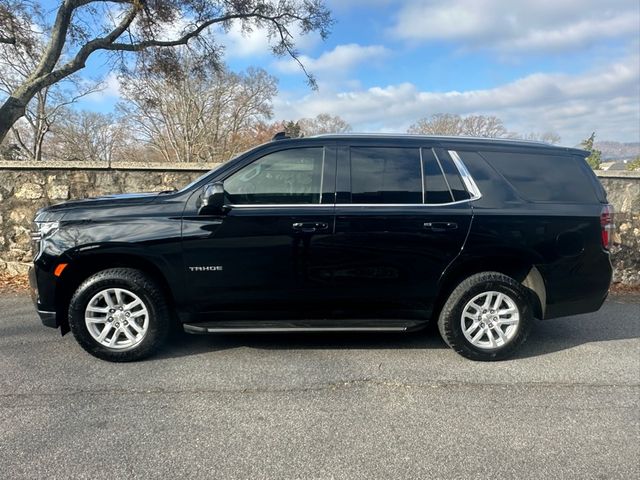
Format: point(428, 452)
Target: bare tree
point(451, 124)
point(323, 123)
point(262, 132)
point(84, 27)
point(547, 137)
point(483, 126)
point(90, 136)
point(193, 118)
point(30, 132)
point(438, 124)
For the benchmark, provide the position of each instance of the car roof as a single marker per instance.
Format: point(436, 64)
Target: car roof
point(458, 140)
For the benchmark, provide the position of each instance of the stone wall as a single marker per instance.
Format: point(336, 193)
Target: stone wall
point(623, 192)
point(25, 187)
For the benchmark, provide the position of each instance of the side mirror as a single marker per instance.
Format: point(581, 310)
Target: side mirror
point(212, 199)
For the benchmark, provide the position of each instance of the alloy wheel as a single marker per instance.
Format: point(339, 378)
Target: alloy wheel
point(117, 318)
point(490, 320)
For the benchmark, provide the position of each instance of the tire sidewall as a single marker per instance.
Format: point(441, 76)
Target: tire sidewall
point(457, 338)
point(102, 281)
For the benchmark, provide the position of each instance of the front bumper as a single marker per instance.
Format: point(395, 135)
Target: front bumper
point(47, 317)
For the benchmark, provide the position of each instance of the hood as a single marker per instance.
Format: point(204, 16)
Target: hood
point(105, 201)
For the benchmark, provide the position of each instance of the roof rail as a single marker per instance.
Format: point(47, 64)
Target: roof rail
point(280, 136)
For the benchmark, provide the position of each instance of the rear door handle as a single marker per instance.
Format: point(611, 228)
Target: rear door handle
point(310, 227)
point(440, 226)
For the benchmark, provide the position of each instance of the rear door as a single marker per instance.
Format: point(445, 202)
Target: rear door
point(402, 215)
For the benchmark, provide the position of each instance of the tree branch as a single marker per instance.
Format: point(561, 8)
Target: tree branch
point(58, 38)
point(79, 61)
point(135, 47)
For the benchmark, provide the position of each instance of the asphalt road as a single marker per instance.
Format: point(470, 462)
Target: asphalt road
point(324, 406)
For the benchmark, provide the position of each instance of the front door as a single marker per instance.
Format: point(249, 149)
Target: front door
point(401, 218)
point(264, 257)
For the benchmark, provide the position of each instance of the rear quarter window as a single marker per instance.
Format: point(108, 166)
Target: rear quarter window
point(544, 177)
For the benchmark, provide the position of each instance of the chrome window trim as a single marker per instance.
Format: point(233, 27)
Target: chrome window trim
point(424, 196)
point(469, 183)
point(402, 204)
point(467, 179)
point(316, 205)
point(324, 153)
point(281, 205)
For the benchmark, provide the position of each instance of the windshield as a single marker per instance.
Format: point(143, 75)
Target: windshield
point(201, 177)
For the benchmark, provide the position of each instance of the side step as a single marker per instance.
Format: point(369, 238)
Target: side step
point(270, 326)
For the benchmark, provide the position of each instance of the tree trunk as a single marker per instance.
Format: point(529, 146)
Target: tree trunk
point(11, 110)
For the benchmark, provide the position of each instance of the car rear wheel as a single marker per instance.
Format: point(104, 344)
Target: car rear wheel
point(487, 317)
point(119, 315)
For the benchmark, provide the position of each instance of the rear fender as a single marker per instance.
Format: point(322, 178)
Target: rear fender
point(521, 267)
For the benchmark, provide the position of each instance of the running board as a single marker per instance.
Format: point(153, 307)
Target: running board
point(305, 326)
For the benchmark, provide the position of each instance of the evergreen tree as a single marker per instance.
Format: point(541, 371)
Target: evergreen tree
point(595, 159)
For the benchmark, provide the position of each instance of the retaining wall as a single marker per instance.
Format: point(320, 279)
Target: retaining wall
point(26, 187)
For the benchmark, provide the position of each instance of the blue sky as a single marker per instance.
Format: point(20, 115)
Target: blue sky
point(569, 66)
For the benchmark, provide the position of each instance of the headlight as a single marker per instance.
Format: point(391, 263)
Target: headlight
point(40, 231)
point(43, 229)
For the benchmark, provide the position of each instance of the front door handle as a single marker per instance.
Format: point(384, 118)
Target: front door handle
point(440, 226)
point(310, 227)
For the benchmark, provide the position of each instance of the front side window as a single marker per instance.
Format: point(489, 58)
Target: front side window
point(286, 177)
point(382, 175)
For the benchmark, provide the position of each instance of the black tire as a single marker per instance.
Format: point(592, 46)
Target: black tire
point(449, 322)
point(141, 285)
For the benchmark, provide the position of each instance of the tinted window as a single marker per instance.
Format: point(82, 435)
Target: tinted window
point(543, 178)
point(436, 190)
point(452, 175)
point(386, 175)
point(288, 176)
point(496, 192)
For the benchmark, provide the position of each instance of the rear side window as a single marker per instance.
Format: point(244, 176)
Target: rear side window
point(385, 175)
point(435, 187)
point(543, 177)
point(452, 175)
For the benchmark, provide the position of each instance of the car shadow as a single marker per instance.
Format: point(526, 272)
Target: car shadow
point(184, 344)
point(615, 321)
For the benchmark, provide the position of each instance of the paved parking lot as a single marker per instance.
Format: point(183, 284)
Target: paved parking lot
point(324, 406)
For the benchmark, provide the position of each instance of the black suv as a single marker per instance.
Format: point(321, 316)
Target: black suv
point(335, 233)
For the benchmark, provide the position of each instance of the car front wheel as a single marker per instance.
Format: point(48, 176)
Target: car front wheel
point(119, 315)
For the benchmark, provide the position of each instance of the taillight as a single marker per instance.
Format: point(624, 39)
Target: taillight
point(606, 222)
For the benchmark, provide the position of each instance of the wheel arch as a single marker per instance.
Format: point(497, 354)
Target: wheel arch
point(82, 267)
point(521, 267)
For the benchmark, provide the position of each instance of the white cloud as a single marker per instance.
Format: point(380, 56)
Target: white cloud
point(342, 5)
point(507, 25)
point(337, 61)
point(110, 91)
point(245, 44)
point(256, 43)
point(606, 100)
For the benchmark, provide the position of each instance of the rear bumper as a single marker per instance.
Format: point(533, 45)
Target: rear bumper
point(47, 317)
point(582, 290)
point(566, 309)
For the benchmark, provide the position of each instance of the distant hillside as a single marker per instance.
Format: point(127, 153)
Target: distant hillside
point(618, 150)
